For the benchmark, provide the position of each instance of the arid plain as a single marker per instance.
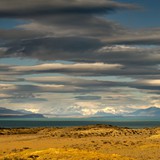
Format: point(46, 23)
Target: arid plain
point(95, 142)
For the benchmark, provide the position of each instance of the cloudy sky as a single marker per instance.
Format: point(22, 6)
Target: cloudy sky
point(78, 57)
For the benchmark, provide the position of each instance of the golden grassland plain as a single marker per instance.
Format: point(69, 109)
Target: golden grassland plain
point(96, 142)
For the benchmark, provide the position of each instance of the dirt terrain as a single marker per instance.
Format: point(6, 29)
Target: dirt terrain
point(97, 142)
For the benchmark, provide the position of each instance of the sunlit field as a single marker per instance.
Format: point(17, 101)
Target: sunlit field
point(97, 142)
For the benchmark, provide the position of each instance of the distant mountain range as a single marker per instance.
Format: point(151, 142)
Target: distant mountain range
point(8, 113)
point(150, 112)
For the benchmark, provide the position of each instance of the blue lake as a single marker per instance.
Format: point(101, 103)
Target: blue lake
point(130, 122)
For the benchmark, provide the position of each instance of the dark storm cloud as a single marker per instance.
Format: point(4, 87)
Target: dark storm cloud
point(97, 85)
point(139, 84)
point(130, 55)
point(77, 31)
point(59, 24)
point(55, 48)
point(64, 26)
point(148, 40)
point(30, 8)
point(80, 37)
point(83, 69)
point(83, 22)
point(88, 98)
point(23, 89)
point(75, 37)
point(20, 97)
point(80, 25)
point(76, 86)
point(26, 99)
point(71, 26)
point(79, 49)
point(18, 35)
point(138, 37)
point(78, 82)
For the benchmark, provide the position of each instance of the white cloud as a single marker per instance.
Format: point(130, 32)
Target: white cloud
point(153, 82)
point(32, 109)
point(119, 48)
point(75, 67)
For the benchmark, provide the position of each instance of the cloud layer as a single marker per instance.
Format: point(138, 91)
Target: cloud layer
point(87, 61)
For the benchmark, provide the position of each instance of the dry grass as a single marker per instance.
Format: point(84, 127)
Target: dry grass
point(98, 142)
point(63, 154)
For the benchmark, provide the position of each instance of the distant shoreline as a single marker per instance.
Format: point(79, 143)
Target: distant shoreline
point(72, 122)
point(24, 130)
point(34, 129)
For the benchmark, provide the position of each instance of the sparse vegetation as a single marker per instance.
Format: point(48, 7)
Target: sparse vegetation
point(64, 154)
point(99, 142)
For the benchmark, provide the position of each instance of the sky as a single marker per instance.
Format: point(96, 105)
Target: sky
point(79, 57)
